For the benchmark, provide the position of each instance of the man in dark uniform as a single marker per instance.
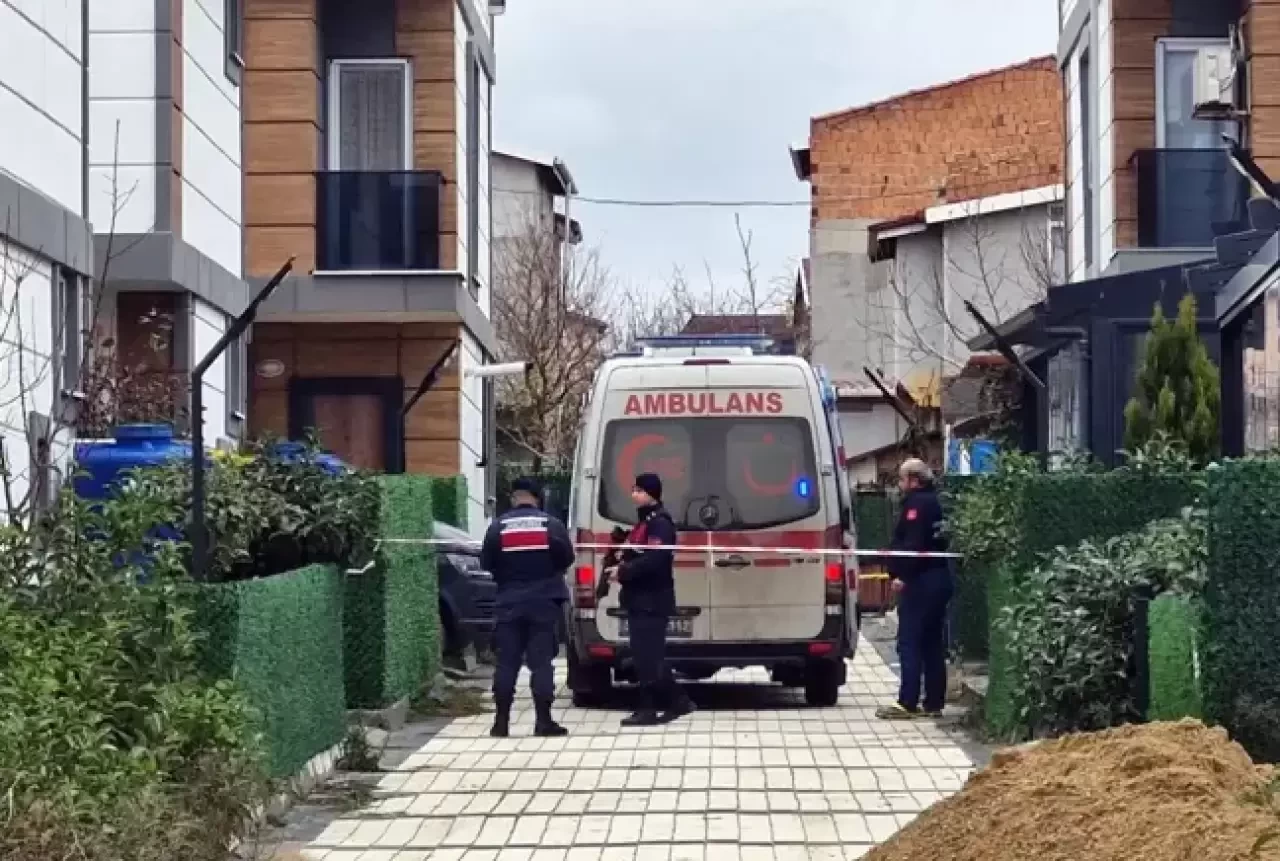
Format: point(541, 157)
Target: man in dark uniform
point(527, 551)
point(649, 599)
point(924, 588)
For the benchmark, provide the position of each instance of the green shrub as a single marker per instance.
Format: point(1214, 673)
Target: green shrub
point(280, 639)
point(1070, 634)
point(1006, 522)
point(392, 620)
point(1177, 395)
point(112, 743)
point(267, 516)
point(1173, 654)
point(1242, 604)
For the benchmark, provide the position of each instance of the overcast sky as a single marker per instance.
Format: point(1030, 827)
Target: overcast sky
point(699, 99)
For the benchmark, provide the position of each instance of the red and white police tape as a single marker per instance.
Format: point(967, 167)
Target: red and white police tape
point(710, 548)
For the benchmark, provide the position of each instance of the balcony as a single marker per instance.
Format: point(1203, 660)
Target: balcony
point(1186, 197)
point(378, 221)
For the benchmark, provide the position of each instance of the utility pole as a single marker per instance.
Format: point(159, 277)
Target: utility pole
point(199, 534)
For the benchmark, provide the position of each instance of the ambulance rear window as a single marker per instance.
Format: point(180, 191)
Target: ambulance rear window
point(717, 473)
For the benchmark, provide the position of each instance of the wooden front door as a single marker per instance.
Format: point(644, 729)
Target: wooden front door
point(351, 426)
point(356, 418)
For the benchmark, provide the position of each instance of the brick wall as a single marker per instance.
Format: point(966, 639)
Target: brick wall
point(990, 134)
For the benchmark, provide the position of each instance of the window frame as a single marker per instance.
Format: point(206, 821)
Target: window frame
point(1180, 44)
point(1088, 162)
point(233, 39)
point(333, 128)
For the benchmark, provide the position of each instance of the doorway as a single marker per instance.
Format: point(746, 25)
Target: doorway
point(355, 418)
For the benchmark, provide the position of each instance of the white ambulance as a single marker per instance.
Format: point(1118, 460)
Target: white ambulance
point(748, 447)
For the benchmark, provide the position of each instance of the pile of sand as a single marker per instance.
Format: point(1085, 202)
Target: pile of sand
point(1145, 793)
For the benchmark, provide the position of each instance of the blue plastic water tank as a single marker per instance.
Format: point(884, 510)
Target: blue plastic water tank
point(101, 464)
point(292, 452)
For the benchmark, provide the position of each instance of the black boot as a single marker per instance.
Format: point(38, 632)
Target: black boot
point(678, 704)
point(645, 713)
point(545, 726)
point(502, 718)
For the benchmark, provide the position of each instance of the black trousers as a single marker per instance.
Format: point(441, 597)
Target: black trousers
point(649, 652)
point(526, 633)
point(922, 639)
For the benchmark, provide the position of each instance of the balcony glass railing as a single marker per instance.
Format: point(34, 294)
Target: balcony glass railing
point(378, 220)
point(1186, 197)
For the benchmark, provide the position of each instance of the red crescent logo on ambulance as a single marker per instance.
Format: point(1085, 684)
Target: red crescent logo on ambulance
point(626, 467)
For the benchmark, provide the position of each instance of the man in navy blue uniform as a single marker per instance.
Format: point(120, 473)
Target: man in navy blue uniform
point(527, 551)
point(649, 599)
point(924, 588)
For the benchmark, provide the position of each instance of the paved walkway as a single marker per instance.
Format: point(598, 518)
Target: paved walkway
point(753, 775)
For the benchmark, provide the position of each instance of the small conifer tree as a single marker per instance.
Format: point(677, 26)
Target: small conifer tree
point(1177, 395)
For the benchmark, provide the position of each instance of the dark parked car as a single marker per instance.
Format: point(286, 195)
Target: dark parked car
point(467, 593)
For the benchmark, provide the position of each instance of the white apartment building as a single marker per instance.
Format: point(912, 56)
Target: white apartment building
point(165, 188)
point(45, 241)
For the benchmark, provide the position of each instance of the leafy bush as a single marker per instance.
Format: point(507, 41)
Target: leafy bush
point(112, 743)
point(1071, 634)
point(266, 515)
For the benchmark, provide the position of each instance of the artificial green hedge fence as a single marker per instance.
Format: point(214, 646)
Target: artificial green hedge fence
point(280, 639)
point(1242, 604)
point(1173, 659)
point(1060, 510)
point(391, 619)
point(449, 500)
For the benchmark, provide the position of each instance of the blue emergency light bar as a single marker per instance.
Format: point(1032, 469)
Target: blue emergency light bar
point(757, 343)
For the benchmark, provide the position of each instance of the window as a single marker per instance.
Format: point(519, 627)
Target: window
point(370, 115)
point(236, 384)
point(68, 328)
point(1088, 140)
point(233, 36)
point(718, 473)
point(1176, 126)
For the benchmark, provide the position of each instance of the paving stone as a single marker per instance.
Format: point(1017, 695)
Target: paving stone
point(757, 778)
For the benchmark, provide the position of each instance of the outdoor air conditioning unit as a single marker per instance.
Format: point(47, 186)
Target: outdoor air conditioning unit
point(1214, 85)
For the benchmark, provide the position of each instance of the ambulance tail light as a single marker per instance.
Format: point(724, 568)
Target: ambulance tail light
point(584, 587)
point(835, 582)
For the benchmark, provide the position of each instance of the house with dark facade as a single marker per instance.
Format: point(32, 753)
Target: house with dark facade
point(1172, 128)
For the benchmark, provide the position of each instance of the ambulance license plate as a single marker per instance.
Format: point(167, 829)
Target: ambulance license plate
point(678, 627)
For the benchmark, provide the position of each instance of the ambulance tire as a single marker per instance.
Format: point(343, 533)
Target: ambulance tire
point(822, 684)
point(591, 684)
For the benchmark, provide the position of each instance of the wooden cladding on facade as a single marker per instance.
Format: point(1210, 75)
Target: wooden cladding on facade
point(285, 120)
point(284, 352)
point(282, 133)
point(1262, 41)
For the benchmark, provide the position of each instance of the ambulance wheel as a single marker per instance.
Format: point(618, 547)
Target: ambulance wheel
point(591, 684)
point(822, 684)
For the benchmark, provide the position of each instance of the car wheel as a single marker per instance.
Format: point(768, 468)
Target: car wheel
point(591, 684)
point(822, 685)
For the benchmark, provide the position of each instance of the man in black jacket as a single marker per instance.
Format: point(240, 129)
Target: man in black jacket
point(527, 551)
point(649, 599)
point(924, 588)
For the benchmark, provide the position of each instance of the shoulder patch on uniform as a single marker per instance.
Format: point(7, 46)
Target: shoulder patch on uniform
point(912, 513)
